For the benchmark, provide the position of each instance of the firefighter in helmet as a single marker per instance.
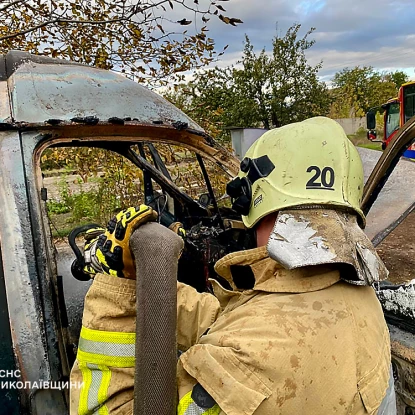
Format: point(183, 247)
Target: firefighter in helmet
point(300, 332)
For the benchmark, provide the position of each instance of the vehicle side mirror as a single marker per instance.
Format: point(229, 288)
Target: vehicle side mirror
point(371, 120)
point(371, 135)
point(205, 200)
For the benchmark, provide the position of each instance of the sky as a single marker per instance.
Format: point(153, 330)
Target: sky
point(378, 33)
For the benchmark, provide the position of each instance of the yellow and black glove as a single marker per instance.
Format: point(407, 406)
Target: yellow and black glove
point(113, 246)
point(177, 227)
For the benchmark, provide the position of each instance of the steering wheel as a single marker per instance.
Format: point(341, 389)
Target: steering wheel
point(77, 267)
point(78, 264)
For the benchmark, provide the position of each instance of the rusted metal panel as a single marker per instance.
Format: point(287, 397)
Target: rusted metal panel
point(71, 99)
point(403, 345)
point(134, 131)
point(385, 214)
point(399, 185)
point(50, 92)
point(403, 360)
point(45, 259)
point(4, 103)
point(23, 291)
point(399, 302)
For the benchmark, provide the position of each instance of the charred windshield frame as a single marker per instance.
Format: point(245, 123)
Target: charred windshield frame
point(180, 206)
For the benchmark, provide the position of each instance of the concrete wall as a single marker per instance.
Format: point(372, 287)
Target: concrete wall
point(351, 125)
point(243, 138)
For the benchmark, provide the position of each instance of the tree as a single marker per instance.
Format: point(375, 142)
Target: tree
point(144, 38)
point(262, 90)
point(297, 93)
point(357, 90)
point(207, 99)
point(398, 78)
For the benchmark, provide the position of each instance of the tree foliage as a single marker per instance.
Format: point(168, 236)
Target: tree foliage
point(144, 38)
point(398, 78)
point(206, 98)
point(357, 90)
point(262, 90)
point(282, 86)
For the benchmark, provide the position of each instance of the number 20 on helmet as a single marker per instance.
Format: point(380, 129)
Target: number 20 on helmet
point(306, 164)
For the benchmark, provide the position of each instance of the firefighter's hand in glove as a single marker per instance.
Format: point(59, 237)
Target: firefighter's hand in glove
point(92, 265)
point(177, 227)
point(113, 247)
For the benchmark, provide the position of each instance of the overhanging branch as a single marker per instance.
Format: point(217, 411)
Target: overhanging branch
point(58, 20)
point(13, 3)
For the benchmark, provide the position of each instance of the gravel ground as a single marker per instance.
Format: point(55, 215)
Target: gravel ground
point(398, 251)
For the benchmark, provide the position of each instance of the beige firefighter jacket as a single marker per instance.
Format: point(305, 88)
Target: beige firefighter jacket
point(299, 342)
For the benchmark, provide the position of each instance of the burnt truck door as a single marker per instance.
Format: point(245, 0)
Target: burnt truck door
point(389, 197)
point(9, 399)
point(31, 312)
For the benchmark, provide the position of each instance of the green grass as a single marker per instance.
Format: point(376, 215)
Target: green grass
point(63, 223)
point(371, 146)
point(360, 140)
point(57, 208)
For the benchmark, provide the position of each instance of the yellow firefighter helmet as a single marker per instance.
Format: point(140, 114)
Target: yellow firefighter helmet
point(305, 164)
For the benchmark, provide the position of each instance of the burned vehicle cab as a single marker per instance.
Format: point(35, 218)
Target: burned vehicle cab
point(47, 105)
point(77, 144)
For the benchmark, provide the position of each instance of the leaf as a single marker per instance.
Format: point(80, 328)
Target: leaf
point(184, 22)
point(220, 7)
point(137, 33)
point(171, 4)
point(234, 21)
point(224, 19)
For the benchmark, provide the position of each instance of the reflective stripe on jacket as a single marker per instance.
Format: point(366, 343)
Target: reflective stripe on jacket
point(105, 358)
point(187, 406)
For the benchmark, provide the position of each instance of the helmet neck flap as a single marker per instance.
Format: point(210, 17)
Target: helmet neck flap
point(306, 237)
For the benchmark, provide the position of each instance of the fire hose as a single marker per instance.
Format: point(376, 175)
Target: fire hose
point(156, 355)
